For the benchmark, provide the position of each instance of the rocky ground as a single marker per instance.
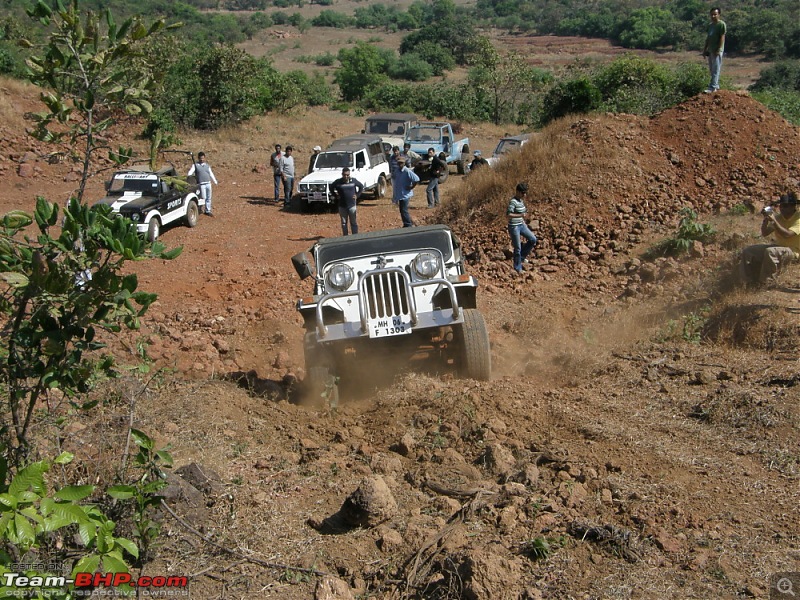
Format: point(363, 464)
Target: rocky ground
point(638, 439)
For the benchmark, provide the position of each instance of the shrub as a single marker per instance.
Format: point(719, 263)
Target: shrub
point(689, 230)
point(411, 67)
point(785, 102)
point(578, 95)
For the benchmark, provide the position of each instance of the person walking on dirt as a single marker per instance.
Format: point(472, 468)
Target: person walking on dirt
point(204, 178)
point(714, 48)
point(517, 228)
point(276, 162)
point(762, 262)
point(347, 192)
point(435, 170)
point(405, 180)
point(287, 175)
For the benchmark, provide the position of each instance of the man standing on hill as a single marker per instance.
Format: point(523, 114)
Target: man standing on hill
point(402, 190)
point(715, 46)
point(761, 262)
point(518, 229)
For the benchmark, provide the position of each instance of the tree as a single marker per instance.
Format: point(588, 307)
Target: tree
point(362, 67)
point(505, 79)
point(91, 71)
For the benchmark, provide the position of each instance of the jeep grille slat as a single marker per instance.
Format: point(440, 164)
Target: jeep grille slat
point(387, 295)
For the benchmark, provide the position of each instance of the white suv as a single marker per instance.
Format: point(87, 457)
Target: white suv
point(364, 156)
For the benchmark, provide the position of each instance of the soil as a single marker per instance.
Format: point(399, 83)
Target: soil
point(639, 435)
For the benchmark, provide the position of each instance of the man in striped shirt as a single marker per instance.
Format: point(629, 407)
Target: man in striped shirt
point(517, 228)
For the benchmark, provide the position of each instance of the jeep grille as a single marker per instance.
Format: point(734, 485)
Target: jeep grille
point(386, 294)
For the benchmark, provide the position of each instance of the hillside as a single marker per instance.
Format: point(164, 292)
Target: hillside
point(639, 437)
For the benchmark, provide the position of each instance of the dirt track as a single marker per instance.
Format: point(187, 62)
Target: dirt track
point(650, 465)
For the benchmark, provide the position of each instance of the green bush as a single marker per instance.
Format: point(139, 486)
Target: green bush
point(331, 18)
point(785, 102)
point(578, 95)
point(411, 67)
point(784, 75)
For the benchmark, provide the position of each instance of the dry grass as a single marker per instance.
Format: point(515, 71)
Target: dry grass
point(547, 163)
point(10, 92)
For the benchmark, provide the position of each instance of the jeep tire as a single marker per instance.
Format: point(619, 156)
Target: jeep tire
point(380, 187)
point(322, 386)
point(153, 229)
point(460, 167)
point(473, 357)
point(192, 214)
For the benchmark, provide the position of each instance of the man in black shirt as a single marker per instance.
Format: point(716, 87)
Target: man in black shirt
point(435, 169)
point(347, 192)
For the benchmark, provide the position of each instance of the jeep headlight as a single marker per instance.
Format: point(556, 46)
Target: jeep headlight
point(340, 277)
point(426, 265)
point(303, 187)
point(135, 217)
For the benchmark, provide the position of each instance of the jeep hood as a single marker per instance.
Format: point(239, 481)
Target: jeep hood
point(132, 201)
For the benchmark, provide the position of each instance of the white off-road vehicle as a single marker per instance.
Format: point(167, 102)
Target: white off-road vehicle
point(390, 299)
point(362, 154)
point(152, 199)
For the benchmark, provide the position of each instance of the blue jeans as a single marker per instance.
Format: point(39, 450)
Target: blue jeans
point(348, 214)
point(521, 251)
point(433, 192)
point(714, 67)
point(288, 186)
point(278, 180)
point(404, 214)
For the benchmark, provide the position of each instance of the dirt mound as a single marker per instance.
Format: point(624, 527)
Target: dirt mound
point(602, 185)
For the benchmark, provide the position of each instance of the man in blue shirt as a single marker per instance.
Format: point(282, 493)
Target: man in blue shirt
point(402, 190)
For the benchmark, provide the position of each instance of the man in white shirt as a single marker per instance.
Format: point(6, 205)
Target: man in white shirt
point(204, 178)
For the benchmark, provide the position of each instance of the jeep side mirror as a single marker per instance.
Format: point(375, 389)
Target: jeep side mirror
point(302, 264)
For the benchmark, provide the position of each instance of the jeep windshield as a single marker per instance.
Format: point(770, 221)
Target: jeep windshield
point(382, 243)
point(386, 127)
point(144, 184)
point(334, 160)
point(424, 134)
point(507, 146)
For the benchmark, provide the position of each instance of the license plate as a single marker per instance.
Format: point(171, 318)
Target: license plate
point(389, 326)
point(318, 196)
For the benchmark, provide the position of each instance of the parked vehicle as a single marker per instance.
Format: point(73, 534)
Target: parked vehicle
point(365, 157)
point(153, 199)
point(439, 136)
point(391, 127)
point(385, 298)
point(508, 144)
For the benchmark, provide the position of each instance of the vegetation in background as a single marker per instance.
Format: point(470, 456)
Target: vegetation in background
point(90, 70)
point(204, 84)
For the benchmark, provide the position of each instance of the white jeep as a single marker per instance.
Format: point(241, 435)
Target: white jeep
point(387, 300)
point(362, 154)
